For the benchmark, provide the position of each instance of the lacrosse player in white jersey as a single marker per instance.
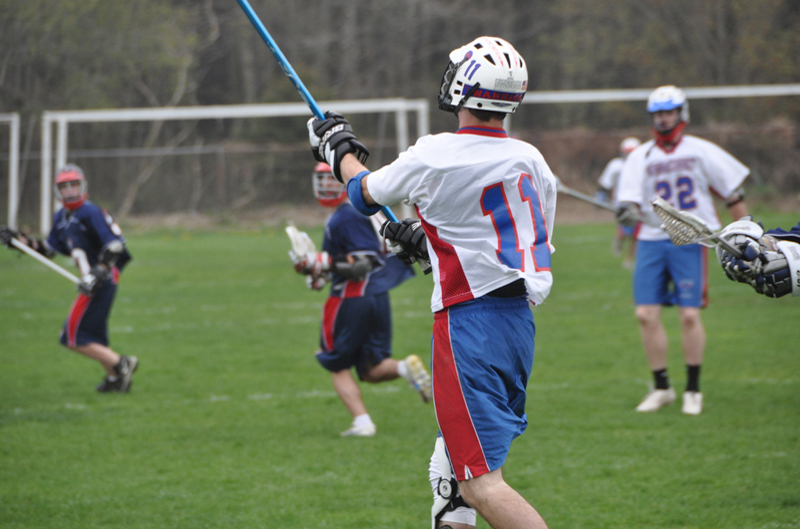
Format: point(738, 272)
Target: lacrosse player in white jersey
point(683, 170)
point(606, 187)
point(486, 204)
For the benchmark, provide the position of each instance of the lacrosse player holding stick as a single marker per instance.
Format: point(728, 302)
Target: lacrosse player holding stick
point(606, 190)
point(486, 204)
point(356, 321)
point(769, 262)
point(682, 170)
point(90, 236)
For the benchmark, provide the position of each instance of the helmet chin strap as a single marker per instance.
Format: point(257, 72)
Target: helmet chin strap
point(466, 96)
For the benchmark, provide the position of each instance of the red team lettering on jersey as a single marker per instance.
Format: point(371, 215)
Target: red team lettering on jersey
point(685, 177)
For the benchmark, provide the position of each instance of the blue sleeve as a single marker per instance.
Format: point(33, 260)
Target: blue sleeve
point(101, 222)
point(348, 232)
point(791, 235)
point(53, 240)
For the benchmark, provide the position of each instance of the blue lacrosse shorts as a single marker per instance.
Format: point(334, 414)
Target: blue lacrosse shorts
point(356, 332)
point(87, 321)
point(666, 274)
point(481, 361)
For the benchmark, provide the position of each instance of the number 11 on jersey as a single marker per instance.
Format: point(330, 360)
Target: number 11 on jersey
point(495, 204)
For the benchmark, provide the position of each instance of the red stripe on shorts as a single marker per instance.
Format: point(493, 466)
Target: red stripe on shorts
point(704, 278)
point(329, 320)
point(75, 316)
point(450, 405)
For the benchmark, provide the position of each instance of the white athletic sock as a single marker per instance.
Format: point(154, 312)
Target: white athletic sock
point(402, 368)
point(362, 420)
point(112, 378)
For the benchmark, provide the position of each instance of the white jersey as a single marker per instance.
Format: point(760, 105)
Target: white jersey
point(685, 177)
point(487, 203)
point(610, 176)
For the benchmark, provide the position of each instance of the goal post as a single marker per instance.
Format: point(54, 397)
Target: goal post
point(13, 166)
point(62, 119)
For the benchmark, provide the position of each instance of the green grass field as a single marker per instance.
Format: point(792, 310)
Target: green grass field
point(231, 423)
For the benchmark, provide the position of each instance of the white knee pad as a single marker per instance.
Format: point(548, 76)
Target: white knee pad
point(448, 505)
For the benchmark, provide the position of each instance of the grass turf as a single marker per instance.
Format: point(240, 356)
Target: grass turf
point(232, 423)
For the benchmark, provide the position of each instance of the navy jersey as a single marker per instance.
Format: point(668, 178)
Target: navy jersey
point(89, 228)
point(349, 232)
point(793, 235)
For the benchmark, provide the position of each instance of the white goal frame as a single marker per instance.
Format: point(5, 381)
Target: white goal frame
point(401, 108)
point(13, 166)
point(641, 94)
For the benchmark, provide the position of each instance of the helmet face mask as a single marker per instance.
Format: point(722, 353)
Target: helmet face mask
point(327, 189)
point(486, 74)
point(71, 187)
point(665, 99)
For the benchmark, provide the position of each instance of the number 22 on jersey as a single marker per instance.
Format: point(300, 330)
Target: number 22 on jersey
point(494, 203)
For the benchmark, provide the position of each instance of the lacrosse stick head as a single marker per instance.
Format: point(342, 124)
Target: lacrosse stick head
point(683, 228)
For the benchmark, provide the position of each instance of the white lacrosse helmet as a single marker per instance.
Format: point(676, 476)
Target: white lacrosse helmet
point(669, 97)
point(486, 74)
point(327, 189)
point(628, 145)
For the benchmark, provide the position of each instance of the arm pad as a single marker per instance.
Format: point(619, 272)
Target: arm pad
point(362, 265)
point(111, 253)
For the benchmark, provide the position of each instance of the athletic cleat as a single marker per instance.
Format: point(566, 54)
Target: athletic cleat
point(657, 399)
point(108, 386)
point(692, 403)
point(418, 377)
point(360, 431)
point(127, 365)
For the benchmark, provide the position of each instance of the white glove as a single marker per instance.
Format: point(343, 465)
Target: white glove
point(746, 236)
point(316, 282)
point(311, 263)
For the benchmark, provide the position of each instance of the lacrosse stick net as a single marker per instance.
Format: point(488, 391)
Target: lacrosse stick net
point(684, 228)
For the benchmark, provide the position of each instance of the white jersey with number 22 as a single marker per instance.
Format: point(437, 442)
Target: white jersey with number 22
point(685, 177)
point(487, 203)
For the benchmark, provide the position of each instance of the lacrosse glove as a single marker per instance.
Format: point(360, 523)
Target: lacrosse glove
point(628, 214)
point(775, 278)
point(331, 139)
point(92, 281)
point(6, 234)
point(407, 240)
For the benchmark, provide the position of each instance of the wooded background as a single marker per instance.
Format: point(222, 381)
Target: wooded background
point(90, 54)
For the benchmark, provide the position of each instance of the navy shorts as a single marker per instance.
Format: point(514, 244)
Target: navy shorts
point(482, 358)
point(670, 275)
point(88, 318)
point(356, 332)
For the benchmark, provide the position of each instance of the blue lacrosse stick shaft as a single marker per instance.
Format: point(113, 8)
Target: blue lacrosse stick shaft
point(290, 73)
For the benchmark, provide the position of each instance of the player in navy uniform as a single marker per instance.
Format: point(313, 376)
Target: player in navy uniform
point(90, 236)
point(357, 322)
point(770, 262)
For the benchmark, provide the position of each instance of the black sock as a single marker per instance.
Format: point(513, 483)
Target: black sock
point(662, 379)
point(692, 378)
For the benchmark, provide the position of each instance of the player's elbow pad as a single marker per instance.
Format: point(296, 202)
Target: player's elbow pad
point(356, 196)
point(111, 253)
point(736, 197)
